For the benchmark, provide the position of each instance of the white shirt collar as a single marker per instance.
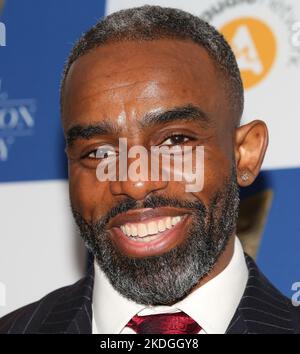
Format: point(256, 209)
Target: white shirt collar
point(212, 305)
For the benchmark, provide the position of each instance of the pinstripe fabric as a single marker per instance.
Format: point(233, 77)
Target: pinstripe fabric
point(263, 309)
point(66, 310)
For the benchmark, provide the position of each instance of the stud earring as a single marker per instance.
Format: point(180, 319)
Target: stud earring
point(244, 176)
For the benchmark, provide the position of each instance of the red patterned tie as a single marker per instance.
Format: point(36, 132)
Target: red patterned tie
point(166, 323)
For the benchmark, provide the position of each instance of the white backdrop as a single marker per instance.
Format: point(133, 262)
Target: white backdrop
point(40, 250)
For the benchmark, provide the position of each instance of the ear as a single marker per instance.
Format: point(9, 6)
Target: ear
point(251, 141)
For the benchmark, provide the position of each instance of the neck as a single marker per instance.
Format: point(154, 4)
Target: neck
point(220, 265)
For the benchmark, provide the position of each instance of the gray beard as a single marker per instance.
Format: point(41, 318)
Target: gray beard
point(167, 278)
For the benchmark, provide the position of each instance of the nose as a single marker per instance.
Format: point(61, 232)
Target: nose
point(137, 190)
point(137, 177)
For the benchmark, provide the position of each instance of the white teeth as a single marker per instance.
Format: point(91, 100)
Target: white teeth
point(175, 220)
point(134, 230)
point(152, 228)
point(161, 226)
point(145, 231)
point(128, 229)
point(168, 223)
point(142, 230)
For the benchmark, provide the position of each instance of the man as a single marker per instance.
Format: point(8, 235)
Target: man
point(166, 259)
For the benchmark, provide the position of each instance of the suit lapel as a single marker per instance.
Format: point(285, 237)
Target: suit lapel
point(263, 309)
point(237, 324)
point(73, 311)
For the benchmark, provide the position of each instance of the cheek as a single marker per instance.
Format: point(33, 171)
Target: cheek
point(217, 167)
point(87, 194)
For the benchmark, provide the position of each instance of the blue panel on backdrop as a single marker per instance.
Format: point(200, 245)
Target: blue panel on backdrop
point(279, 254)
point(39, 36)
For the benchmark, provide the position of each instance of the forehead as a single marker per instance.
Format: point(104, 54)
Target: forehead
point(128, 79)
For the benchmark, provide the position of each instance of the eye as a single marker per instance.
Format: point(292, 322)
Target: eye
point(102, 152)
point(176, 139)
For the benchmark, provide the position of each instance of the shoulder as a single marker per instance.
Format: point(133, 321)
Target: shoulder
point(265, 308)
point(34, 314)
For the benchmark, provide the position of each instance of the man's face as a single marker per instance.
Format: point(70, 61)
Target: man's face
point(148, 235)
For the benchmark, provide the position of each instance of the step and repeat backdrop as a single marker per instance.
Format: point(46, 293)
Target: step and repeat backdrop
point(39, 246)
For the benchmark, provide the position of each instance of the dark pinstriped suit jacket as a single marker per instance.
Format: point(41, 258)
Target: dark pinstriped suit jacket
point(262, 309)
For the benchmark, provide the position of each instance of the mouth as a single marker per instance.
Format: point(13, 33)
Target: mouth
point(148, 232)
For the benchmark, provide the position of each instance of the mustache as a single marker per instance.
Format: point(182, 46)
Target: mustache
point(150, 202)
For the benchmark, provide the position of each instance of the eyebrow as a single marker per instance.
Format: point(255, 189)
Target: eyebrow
point(107, 127)
point(183, 113)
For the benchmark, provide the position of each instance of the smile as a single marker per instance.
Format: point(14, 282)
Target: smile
point(146, 232)
point(149, 232)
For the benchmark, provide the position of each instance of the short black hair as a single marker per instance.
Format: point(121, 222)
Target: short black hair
point(156, 22)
